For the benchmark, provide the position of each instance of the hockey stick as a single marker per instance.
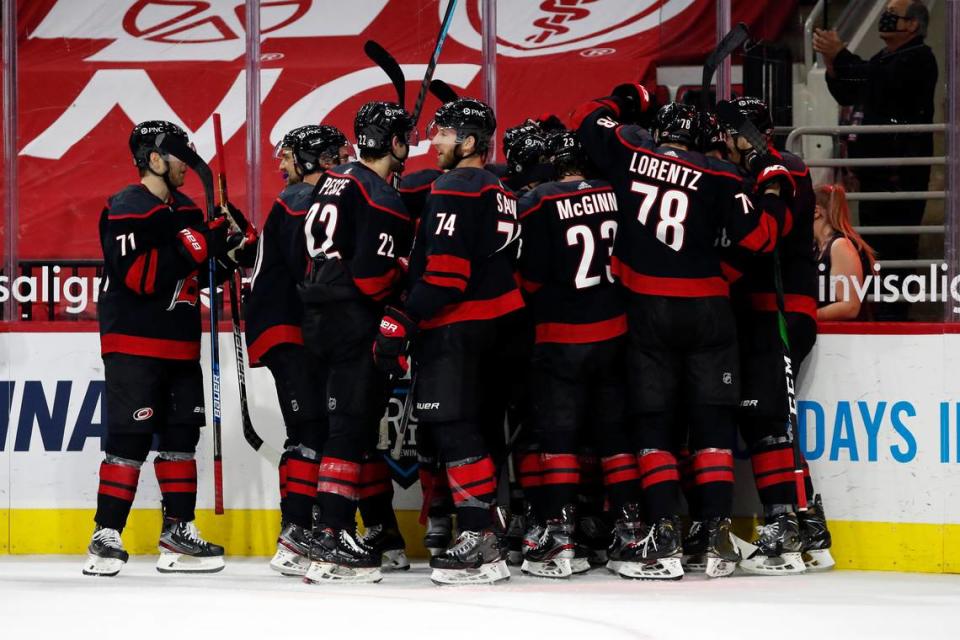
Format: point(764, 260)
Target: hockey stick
point(735, 38)
point(442, 91)
point(441, 36)
point(249, 433)
point(177, 147)
point(741, 125)
point(389, 64)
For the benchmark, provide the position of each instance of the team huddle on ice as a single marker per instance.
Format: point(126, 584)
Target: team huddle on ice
point(601, 316)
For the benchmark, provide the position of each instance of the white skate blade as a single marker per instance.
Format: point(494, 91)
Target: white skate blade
point(489, 573)
point(556, 568)
point(326, 572)
point(580, 565)
point(783, 565)
point(182, 563)
point(105, 567)
point(719, 568)
point(663, 569)
point(288, 562)
point(818, 560)
point(694, 563)
point(746, 549)
point(395, 560)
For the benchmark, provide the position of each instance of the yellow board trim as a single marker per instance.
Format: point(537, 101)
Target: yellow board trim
point(874, 546)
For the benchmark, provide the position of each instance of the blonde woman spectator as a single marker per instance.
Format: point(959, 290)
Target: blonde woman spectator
point(845, 258)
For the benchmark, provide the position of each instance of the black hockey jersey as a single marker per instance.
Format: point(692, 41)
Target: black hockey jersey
point(148, 298)
point(414, 189)
point(273, 309)
point(357, 229)
point(569, 229)
point(753, 274)
point(458, 269)
point(673, 205)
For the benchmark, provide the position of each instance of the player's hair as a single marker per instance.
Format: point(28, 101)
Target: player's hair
point(832, 198)
point(918, 11)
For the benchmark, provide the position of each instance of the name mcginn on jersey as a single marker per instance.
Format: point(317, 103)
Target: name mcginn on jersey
point(586, 205)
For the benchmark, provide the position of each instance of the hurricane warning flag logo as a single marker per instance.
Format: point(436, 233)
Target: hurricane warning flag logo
point(557, 26)
point(171, 30)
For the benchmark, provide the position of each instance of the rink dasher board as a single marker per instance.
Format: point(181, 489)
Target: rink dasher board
point(879, 413)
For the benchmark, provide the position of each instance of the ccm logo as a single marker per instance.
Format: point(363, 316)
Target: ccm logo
point(749, 403)
point(386, 325)
point(143, 414)
point(192, 240)
point(428, 406)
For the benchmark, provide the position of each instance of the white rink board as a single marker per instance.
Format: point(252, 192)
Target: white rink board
point(871, 408)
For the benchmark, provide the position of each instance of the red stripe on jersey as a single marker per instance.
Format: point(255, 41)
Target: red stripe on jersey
point(302, 477)
point(176, 476)
point(149, 347)
point(676, 160)
point(134, 278)
point(338, 469)
point(476, 310)
point(560, 468)
point(565, 333)
point(620, 468)
point(712, 466)
point(366, 196)
point(770, 479)
point(150, 284)
point(128, 216)
point(657, 467)
point(119, 474)
point(119, 493)
point(290, 211)
point(278, 334)
point(452, 282)
point(529, 470)
point(472, 194)
point(772, 461)
point(763, 238)
point(714, 286)
point(731, 274)
point(560, 196)
point(445, 263)
point(529, 285)
point(792, 303)
point(378, 287)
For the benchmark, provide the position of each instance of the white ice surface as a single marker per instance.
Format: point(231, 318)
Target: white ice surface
point(47, 597)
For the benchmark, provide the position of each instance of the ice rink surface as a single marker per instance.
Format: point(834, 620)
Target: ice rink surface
point(47, 597)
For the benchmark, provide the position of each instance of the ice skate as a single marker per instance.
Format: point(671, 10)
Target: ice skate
point(475, 558)
point(594, 534)
point(626, 536)
point(182, 550)
point(515, 537)
point(721, 553)
point(389, 544)
point(695, 548)
point(657, 555)
point(439, 534)
point(815, 537)
point(336, 556)
point(293, 551)
point(551, 556)
point(106, 555)
point(777, 551)
point(581, 558)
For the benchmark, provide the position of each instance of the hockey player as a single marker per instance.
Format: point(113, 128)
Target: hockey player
point(356, 230)
point(463, 291)
point(569, 228)
point(525, 150)
point(156, 247)
point(763, 415)
point(274, 315)
point(682, 348)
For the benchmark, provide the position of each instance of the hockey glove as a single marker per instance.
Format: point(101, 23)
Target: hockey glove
point(199, 243)
point(773, 177)
point(392, 344)
point(634, 101)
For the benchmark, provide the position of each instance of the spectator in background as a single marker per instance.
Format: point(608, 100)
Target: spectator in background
point(895, 86)
point(843, 256)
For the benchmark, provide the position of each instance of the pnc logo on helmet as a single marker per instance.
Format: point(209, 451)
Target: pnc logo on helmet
point(144, 413)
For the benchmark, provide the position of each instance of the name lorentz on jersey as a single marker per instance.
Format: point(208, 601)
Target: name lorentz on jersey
point(569, 229)
point(273, 310)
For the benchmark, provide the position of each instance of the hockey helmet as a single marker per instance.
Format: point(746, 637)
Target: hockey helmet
point(523, 147)
point(676, 123)
point(376, 124)
point(468, 117)
point(756, 111)
point(313, 144)
point(143, 139)
point(564, 148)
point(711, 135)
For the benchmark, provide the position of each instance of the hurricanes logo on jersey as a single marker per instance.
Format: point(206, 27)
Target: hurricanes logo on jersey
point(187, 291)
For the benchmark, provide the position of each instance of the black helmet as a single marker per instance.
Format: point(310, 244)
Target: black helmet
point(523, 147)
point(468, 117)
point(564, 148)
point(756, 112)
point(312, 144)
point(676, 123)
point(711, 135)
point(376, 124)
point(143, 139)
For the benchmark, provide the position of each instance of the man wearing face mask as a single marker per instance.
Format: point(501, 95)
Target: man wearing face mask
point(895, 86)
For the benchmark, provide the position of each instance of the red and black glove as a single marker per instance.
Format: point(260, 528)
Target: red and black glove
point(213, 239)
point(634, 101)
point(769, 171)
point(392, 345)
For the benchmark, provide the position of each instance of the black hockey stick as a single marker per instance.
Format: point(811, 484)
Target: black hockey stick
point(175, 146)
point(741, 125)
point(735, 38)
point(441, 36)
point(442, 91)
point(249, 433)
point(389, 64)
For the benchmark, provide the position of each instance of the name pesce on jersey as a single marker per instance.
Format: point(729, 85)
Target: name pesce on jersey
point(665, 171)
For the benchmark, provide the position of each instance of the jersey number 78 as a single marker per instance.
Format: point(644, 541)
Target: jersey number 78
point(672, 212)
